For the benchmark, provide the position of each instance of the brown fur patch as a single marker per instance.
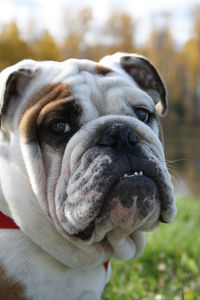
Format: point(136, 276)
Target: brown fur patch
point(103, 70)
point(35, 104)
point(10, 288)
point(50, 107)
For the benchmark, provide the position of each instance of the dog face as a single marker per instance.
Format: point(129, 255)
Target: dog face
point(80, 148)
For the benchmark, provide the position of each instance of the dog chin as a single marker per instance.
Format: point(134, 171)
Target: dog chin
point(132, 203)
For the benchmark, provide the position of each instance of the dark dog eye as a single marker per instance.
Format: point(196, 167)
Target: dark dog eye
point(60, 127)
point(142, 114)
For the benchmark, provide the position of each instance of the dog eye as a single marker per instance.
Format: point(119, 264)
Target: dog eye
point(142, 114)
point(60, 127)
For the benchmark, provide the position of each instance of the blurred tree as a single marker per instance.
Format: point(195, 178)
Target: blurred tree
point(196, 24)
point(119, 32)
point(196, 30)
point(45, 48)
point(191, 61)
point(76, 27)
point(13, 47)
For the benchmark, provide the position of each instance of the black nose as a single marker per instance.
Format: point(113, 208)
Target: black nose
point(118, 136)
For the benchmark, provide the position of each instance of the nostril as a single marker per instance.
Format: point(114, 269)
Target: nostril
point(133, 139)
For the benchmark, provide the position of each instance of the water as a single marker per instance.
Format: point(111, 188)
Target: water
point(182, 148)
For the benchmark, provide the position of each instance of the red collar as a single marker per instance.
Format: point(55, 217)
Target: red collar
point(106, 264)
point(6, 222)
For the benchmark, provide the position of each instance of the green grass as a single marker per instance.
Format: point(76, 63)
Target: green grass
point(170, 266)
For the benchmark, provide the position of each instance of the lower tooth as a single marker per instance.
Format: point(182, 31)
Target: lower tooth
point(132, 175)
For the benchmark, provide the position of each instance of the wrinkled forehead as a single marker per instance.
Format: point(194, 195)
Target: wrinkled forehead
point(97, 88)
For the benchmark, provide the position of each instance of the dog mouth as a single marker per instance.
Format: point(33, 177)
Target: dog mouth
point(132, 202)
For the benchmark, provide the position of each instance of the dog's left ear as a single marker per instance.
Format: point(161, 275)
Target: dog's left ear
point(13, 81)
point(144, 74)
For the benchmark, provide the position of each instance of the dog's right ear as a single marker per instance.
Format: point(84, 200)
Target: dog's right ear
point(145, 75)
point(13, 81)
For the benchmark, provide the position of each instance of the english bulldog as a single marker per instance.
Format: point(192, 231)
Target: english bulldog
point(82, 172)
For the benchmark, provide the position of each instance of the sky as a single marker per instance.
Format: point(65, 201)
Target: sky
point(49, 14)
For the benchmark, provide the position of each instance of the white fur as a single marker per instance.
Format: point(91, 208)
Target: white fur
point(43, 276)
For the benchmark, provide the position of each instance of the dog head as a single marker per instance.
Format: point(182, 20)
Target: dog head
point(83, 170)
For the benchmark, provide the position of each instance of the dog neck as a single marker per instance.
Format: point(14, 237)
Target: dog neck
point(6, 222)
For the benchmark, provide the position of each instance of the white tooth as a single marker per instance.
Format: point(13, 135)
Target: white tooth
point(135, 174)
point(125, 175)
point(141, 173)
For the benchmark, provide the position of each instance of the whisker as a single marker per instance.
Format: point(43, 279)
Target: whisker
point(175, 161)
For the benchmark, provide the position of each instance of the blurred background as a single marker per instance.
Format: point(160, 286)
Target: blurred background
point(167, 32)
